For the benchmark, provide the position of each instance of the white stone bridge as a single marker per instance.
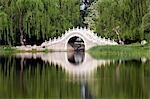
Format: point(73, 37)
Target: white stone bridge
point(61, 43)
point(89, 38)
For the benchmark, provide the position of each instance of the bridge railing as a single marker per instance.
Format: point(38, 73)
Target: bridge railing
point(84, 31)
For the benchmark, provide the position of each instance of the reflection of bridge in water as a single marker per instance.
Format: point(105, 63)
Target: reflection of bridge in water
point(76, 63)
point(73, 63)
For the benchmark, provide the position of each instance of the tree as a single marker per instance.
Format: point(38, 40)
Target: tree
point(37, 20)
point(3, 24)
point(105, 15)
point(146, 25)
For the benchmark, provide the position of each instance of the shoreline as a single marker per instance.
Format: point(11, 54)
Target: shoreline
point(120, 51)
point(107, 51)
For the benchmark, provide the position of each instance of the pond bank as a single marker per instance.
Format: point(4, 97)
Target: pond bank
point(121, 51)
point(109, 51)
point(7, 50)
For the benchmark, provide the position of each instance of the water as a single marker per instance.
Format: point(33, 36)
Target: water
point(72, 76)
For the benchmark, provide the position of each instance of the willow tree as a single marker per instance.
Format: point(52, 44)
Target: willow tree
point(21, 10)
point(37, 20)
point(146, 25)
point(113, 18)
point(3, 24)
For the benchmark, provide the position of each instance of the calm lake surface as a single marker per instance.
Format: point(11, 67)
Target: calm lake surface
point(74, 75)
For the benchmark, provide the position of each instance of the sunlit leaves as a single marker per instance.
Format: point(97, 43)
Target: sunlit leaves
point(105, 15)
point(146, 22)
point(38, 19)
point(3, 20)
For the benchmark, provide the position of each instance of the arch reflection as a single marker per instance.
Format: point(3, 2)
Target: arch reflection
point(76, 57)
point(74, 63)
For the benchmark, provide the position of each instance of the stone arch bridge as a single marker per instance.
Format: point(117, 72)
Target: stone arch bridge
point(89, 38)
point(60, 44)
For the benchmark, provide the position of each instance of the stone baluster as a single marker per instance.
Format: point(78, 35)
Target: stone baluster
point(100, 37)
point(92, 33)
point(97, 38)
point(60, 37)
point(50, 40)
point(69, 30)
point(108, 41)
point(55, 39)
point(81, 28)
point(66, 31)
point(104, 39)
point(85, 29)
point(77, 28)
point(95, 35)
point(73, 28)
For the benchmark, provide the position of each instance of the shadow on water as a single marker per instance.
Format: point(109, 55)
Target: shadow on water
point(72, 75)
point(76, 57)
point(85, 92)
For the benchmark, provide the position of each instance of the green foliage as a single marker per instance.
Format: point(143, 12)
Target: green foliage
point(120, 52)
point(3, 20)
point(36, 19)
point(107, 17)
point(146, 25)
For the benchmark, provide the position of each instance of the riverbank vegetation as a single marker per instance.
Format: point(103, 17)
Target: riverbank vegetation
point(6, 50)
point(31, 22)
point(126, 20)
point(34, 21)
point(121, 51)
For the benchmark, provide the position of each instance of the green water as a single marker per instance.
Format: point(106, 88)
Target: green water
point(34, 77)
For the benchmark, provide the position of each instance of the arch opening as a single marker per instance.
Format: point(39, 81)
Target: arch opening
point(75, 44)
point(76, 49)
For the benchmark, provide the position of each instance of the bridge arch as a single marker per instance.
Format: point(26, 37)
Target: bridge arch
point(60, 43)
point(75, 35)
point(89, 38)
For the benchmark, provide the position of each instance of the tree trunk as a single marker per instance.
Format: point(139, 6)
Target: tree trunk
point(21, 37)
point(21, 29)
point(121, 42)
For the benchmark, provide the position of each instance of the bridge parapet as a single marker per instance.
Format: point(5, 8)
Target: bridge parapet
point(60, 44)
point(89, 37)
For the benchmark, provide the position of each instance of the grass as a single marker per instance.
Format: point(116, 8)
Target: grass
point(120, 51)
point(98, 52)
point(6, 50)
